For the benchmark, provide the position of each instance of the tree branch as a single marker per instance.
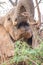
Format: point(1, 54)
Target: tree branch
point(38, 10)
point(1, 4)
point(38, 3)
point(14, 4)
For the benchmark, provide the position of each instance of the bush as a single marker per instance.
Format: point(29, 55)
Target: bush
point(23, 52)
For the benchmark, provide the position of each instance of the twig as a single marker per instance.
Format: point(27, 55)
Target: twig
point(38, 4)
point(14, 4)
point(2, 2)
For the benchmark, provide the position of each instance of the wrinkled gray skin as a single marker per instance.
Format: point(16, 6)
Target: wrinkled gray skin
point(24, 5)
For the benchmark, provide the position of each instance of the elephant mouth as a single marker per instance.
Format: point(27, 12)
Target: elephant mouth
point(22, 24)
point(26, 26)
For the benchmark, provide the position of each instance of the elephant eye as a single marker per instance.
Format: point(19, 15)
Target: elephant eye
point(9, 18)
point(16, 19)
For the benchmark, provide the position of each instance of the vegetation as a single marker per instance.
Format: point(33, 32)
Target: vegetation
point(24, 53)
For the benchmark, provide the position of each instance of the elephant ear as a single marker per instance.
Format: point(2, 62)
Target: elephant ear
point(6, 45)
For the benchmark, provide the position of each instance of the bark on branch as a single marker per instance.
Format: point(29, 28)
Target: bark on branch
point(14, 4)
point(38, 10)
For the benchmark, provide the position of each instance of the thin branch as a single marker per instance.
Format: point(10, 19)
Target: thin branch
point(2, 2)
point(38, 3)
point(38, 10)
point(14, 4)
